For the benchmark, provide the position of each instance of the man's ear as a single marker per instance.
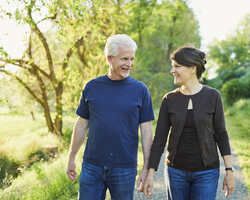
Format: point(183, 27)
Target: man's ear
point(109, 59)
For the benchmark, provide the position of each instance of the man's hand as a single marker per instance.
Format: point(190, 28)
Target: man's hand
point(141, 180)
point(148, 184)
point(228, 183)
point(71, 170)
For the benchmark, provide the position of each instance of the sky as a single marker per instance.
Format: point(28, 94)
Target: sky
point(217, 19)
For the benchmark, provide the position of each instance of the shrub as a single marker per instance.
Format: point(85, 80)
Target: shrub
point(236, 89)
point(9, 169)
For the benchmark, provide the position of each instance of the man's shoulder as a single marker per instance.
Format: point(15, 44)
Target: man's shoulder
point(94, 81)
point(137, 83)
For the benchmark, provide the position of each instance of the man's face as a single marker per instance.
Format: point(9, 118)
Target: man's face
point(121, 64)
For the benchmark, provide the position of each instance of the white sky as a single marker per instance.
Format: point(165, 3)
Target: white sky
point(217, 19)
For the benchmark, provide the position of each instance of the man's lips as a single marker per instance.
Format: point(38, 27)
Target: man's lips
point(126, 68)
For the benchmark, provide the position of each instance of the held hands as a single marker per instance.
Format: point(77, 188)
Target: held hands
point(228, 183)
point(141, 179)
point(71, 170)
point(148, 184)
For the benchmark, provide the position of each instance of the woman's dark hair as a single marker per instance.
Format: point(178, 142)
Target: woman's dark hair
point(189, 57)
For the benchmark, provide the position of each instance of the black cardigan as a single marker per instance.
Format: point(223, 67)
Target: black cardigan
point(209, 122)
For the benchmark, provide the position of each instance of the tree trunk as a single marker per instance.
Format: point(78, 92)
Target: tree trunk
point(59, 109)
point(48, 118)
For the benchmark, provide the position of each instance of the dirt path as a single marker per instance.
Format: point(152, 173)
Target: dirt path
point(240, 193)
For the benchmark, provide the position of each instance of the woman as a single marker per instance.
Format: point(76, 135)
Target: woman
point(192, 119)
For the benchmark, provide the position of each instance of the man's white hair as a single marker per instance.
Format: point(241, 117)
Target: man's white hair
point(114, 42)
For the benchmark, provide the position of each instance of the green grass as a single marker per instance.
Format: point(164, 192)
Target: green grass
point(239, 131)
point(14, 125)
point(20, 137)
point(44, 181)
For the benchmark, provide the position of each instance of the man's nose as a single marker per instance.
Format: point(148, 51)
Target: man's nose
point(130, 63)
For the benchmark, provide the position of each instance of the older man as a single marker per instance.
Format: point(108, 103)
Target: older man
point(111, 109)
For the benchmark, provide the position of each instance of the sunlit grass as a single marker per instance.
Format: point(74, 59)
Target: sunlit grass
point(20, 135)
point(44, 181)
point(20, 147)
point(239, 130)
point(13, 125)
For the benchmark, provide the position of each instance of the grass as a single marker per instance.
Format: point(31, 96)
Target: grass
point(44, 181)
point(20, 136)
point(239, 131)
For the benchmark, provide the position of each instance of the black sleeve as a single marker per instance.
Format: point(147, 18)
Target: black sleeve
point(160, 138)
point(221, 135)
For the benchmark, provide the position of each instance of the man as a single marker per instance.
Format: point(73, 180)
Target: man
point(111, 109)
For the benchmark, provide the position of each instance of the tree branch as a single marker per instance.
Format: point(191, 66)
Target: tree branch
point(43, 40)
point(23, 84)
point(23, 64)
point(70, 51)
point(46, 18)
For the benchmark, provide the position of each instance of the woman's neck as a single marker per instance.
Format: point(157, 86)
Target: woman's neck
point(190, 88)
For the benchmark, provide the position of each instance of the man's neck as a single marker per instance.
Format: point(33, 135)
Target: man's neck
point(114, 77)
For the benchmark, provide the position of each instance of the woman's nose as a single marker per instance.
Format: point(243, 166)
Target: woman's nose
point(172, 70)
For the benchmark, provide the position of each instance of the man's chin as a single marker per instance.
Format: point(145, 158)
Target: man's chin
point(125, 75)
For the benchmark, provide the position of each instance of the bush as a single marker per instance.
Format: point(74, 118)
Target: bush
point(43, 181)
point(236, 89)
point(9, 169)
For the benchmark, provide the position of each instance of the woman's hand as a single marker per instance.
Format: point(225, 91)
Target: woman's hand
point(228, 183)
point(148, 185)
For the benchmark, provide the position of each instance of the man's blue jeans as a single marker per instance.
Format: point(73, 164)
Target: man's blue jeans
point(199, 185)
point(95, 180)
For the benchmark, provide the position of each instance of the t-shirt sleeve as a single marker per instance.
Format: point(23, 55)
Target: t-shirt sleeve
point(146, 110)
point(83, 107)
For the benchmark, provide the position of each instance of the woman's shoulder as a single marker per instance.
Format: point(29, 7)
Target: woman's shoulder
point(210, 90)
point(171, 94)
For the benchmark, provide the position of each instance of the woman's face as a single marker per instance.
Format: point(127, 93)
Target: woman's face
point(182, 74)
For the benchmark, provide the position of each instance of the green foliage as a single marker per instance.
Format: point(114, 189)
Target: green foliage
point(49, 181)
point(232, 55)
point(236, 89)
point(163, 28)
point(239, 131)
point(8, 170)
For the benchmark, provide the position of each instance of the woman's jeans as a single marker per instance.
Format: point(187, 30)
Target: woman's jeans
point(199, 185)
point(95, 180)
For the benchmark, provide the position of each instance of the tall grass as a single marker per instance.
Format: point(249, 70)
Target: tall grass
point(44, 181)
point(239, 130)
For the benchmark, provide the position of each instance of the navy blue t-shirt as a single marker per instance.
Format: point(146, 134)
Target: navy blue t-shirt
point(114, 108)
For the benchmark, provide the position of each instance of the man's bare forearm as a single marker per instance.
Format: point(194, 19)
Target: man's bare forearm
point(78, 135)
point(146, 139)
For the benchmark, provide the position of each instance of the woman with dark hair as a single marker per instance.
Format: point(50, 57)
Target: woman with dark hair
point(191, 119)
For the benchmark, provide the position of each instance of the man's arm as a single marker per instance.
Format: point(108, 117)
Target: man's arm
point(146, 140)
point(77, 139)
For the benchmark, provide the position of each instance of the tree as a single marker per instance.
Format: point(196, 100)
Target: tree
point(166, 25)
point(44, 68)
point(232, 57)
